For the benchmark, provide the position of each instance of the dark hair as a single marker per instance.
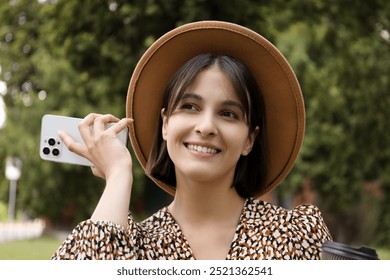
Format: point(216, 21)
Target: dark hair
point(251, 170)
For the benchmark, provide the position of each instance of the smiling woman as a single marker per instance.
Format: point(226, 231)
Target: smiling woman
point(214, 93)
point(216, 118)
point(209, 123)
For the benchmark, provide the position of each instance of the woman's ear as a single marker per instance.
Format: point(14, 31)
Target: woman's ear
point(164, 124)
point(250, 141)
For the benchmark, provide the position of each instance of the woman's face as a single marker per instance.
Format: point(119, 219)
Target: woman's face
point(207, 132)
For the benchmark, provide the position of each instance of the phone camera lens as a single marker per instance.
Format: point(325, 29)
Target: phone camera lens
point(56, 152)
point(46, 151)
point(52, 141)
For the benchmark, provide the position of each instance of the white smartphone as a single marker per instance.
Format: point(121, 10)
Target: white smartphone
point(52, 147)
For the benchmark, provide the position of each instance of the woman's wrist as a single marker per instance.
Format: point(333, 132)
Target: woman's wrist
point(120, 172)
point(115, 201)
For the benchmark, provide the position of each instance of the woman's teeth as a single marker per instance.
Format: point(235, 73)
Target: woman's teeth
point(201, 149)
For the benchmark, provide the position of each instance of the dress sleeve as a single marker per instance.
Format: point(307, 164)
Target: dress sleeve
point(311, 232)
point(98, 240)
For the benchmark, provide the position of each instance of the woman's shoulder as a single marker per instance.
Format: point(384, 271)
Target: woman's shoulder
point(264, 207)
point(259, 210)
point(301, 229)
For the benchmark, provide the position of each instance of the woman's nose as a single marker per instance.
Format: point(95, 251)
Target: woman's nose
point(206, 125)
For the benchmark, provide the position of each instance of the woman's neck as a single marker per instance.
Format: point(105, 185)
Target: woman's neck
point(200, 202)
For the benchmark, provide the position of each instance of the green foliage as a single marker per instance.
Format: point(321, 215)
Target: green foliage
point(339, 59)
point(382, 237)
point(76, 57)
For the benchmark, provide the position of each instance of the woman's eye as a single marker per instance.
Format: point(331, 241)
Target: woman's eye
point(188, 106)
point(229, 114)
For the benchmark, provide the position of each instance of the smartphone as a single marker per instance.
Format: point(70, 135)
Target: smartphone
point(52, 148)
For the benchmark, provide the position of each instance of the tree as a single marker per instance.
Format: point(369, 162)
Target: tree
point(340, 60)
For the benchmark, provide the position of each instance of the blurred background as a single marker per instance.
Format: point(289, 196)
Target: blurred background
point(75, 57)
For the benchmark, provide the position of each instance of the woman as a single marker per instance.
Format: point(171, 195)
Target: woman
point(216, 148)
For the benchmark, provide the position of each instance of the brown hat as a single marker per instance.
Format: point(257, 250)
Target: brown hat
point(284, 107)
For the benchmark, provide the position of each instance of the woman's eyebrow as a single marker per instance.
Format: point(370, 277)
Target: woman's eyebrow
point(232, 103)
point(191, 95)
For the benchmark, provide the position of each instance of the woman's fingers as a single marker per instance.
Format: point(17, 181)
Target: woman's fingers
point(100, 144)
point(93, 125)
point(120, 125)
point(100, 122)
point(71, 144)
point(85, 127)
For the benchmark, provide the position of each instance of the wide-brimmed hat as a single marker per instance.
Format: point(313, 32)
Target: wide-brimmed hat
point(284, 107)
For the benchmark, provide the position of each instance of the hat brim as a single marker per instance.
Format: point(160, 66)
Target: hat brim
point(284, 106)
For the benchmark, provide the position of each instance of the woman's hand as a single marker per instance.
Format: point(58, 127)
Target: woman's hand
point(111, 160)
point(101, 146)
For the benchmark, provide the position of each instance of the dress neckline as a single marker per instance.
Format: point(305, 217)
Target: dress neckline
point(179, 231)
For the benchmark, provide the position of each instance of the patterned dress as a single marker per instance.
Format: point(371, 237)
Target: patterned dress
point(265, 231)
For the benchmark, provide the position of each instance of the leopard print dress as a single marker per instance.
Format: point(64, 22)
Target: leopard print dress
point(264, 231)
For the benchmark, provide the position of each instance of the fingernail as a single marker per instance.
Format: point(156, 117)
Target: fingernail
point(128, 120)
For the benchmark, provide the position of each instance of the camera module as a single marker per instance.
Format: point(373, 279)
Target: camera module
point(51, 147)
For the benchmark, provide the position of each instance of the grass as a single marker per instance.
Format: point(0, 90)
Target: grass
point(384, 254)
point(43, 248)
point(34, 249)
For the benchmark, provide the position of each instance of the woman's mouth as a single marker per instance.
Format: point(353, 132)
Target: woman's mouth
point(202, 149)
